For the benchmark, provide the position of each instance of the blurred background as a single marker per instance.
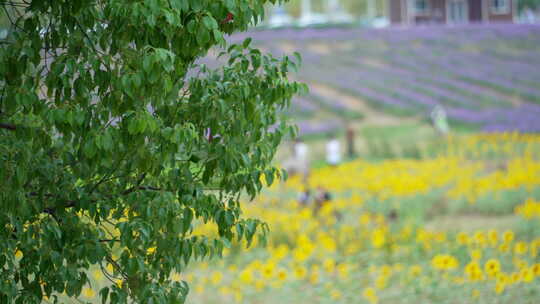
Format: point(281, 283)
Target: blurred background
point(415, 177)
point(380, 68)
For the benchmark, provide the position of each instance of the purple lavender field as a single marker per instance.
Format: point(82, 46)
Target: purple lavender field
point(486, 76)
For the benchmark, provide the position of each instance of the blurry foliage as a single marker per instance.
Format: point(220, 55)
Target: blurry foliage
point(113, 141)
point(532, 4)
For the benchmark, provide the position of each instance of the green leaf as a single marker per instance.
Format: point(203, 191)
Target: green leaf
point(246, 42)
point(181, 5)
point(104, 293)
point(192, 26)
point(298, 57)
point(133, 126)
point(147, 63)
point(107, 141)
point(203, 36)
point(269, 177)
point(89, 149)
point(210, 23)
point(137, 80)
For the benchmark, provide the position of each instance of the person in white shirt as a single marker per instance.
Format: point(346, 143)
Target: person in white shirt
point(438, 118)
point(301, 156)
point(300, 151)
point(333, 151)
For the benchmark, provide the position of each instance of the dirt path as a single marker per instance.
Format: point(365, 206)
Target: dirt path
point(371, 116)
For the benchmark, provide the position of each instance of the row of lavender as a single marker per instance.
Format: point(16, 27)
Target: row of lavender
point(486, 75)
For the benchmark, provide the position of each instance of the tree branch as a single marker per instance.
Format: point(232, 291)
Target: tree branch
point(139, 181)
point(8, 126)
point(109, 240)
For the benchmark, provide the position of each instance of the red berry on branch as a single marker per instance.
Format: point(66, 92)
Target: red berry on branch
point(228, 19)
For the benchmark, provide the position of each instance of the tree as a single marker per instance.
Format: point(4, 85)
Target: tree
point(114, 142)
point(528, 4)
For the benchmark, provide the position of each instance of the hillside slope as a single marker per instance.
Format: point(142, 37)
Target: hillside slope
point(485, 76)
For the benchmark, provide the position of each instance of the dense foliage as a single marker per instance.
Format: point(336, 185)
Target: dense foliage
point(113, 141)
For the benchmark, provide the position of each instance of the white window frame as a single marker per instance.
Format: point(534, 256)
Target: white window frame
point(466, 13)
point(502, 10)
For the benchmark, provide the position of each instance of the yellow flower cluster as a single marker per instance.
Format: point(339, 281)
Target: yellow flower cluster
point(444, 262)
point(519, 169)
point(518, 173)
point(493, 145)
point(529, 209)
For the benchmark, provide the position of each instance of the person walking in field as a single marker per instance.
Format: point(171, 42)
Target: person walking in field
point(305, 198)
point(301, 157)
point(322, 197)
point(438, 118)
point(350, 141)
point(333, 151)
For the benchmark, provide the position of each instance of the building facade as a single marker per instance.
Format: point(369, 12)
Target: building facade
point(410, 12)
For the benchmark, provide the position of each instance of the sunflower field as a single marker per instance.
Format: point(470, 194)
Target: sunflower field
point(460, 227)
